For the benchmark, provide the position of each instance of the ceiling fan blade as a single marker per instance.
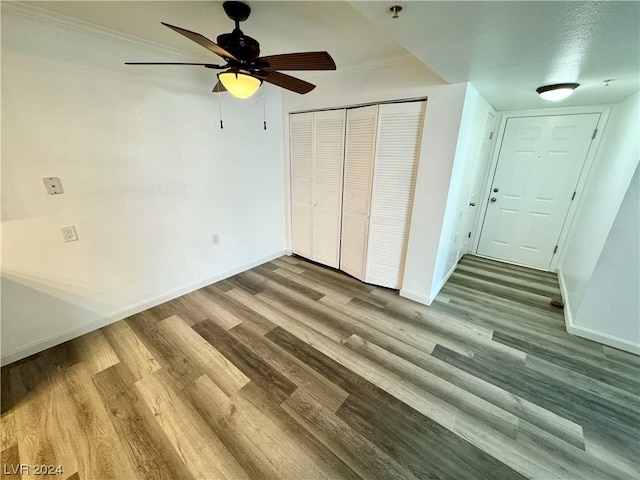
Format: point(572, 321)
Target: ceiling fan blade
point(206, 65)
point(300, 61)
point(204, 41)
point(290, 83)
point(219, 88)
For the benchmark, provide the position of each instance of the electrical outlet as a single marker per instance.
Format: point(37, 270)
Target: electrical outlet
point(53, 185)
point(215, 238)
point(69, 233)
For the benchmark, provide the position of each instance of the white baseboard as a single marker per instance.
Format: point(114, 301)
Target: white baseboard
point(100, 322)
point(415, 296)
point(604, 339)
point(587, 333)
point(435, 291)
point(427, 299)
point(565, 299)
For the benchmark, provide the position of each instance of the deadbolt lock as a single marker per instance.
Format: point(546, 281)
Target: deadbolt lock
point(496, 190)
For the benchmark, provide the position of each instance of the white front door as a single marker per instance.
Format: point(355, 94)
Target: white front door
point(538, 168)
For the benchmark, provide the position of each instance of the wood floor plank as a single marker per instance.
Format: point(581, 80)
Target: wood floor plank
point(332, 466)
point(531, 463)
point(238, 309)
point(325, 289)
point(131, 351)
point(271, 278)
point(483, 411)
point(96, 445)
point(40, 422)
point(311, 314)
point(323, 390)
point(10, 457)
point(94, 350)
point(611, 423)
point(260, 446)
point(352, 448)
point(281, 263)
point(613, 378)
point(292, 370)
point(200, 449)
point(206, 359)
point(8, 431)
point(147, 446)
point(254, 367)
point(146, 327)
point(466, 340)
point(215, 311)
point(425, 447)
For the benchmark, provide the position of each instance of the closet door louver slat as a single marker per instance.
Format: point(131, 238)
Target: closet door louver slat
point(358, 171)
point(397, 151)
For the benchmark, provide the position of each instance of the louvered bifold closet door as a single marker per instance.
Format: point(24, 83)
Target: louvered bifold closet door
point(397, 151)
point(327, 186)
point(301, 142)
point(358, 172)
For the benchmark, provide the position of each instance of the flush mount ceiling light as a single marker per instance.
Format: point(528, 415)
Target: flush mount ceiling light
point(238, 84)
point(557, 92)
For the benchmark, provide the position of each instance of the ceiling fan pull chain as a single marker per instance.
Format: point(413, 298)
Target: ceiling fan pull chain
point(220, 110)
point(264, 108)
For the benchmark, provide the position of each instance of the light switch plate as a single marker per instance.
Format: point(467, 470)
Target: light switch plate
point(54, 187)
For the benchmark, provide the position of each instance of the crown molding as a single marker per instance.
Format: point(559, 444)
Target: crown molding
point(42, 15)
point(28, 10)
point(366, 66)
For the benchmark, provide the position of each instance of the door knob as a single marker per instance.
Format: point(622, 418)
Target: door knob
point(493, 199)
point(496, 190)
point(472, 204)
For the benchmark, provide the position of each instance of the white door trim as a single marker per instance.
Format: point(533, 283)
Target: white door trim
point(585, 176)
point(484, 173)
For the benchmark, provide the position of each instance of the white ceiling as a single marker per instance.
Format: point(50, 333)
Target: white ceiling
point(506, 49)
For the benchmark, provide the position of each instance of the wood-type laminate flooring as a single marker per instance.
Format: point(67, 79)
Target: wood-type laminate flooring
point(291, 370)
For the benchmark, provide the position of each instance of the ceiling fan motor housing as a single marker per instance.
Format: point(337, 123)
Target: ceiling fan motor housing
point(243, 47)
point(242, 56)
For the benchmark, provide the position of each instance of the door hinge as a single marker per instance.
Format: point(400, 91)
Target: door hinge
point(469, 236)
point(594, 133)
point(490, 135)
point(555, 249)
point(573, 196)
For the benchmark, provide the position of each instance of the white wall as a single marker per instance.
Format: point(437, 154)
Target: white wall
point(613, 168)
point(148, 177)
point(439, 141)
point(611, 304)
point(464, 171)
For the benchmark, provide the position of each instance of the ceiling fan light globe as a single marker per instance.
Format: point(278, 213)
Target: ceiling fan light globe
point(239, 85)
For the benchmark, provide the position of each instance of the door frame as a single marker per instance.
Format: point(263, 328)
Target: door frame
point(583, 180)
point(483, 174)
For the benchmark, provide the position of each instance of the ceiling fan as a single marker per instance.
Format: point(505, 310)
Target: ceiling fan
point(245, 70)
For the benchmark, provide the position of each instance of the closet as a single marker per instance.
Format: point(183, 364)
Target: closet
point(352, 181)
